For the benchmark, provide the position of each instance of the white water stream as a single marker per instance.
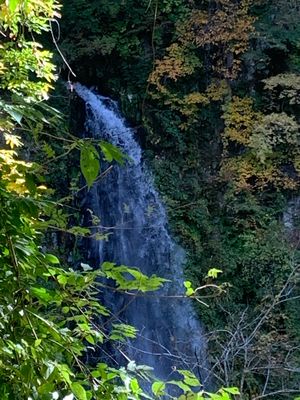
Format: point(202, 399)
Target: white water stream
point(170, 335)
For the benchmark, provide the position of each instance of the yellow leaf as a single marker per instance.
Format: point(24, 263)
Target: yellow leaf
point(12, 140)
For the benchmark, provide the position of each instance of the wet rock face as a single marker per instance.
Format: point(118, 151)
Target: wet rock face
point(77, 114)
point(131, 213)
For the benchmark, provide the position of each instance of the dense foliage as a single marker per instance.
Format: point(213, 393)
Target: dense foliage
point(213, 90)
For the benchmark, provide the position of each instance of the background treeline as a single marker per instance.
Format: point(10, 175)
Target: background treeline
point(213, 90)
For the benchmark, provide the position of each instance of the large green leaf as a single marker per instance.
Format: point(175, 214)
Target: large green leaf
point(78, 391)
point(12, 4)
point(43, 294)
point(189, 378)
point(89, 163)
point(51, 258)
point(158, 388)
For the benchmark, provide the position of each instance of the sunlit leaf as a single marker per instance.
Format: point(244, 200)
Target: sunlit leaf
point(189, 378)
point(89, 163)
point(158, 388)
point(13, 140)
point(213, 273)
point(12, 4)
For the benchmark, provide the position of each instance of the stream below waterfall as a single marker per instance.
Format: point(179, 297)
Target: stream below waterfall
point(170, 335)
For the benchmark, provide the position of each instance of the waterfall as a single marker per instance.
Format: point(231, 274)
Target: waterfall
point(291, 214)
point(291, 221)
point(169, 334)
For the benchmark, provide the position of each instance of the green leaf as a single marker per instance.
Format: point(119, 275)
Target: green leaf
point(65, 373)
point(216, 396)
point(78, 391)
point(134, 385)
point(189, 378)
point(79, 231)
point(62, 280)
point(52, 259)
point(187, 284)
point(12, 4)
point(26, 372)
point(225, 395)
point(213, 273)
point(181, 385)
point(42, 293)
point(190, 292)
point(37, 342)
point(128, 278)
point(122, 331)
point(30, 183)
point(46, 388)
point(234, 390)
point(90, 339)
point(112, 153)
point(89, 163)
point(158, 388)
point(96, 374)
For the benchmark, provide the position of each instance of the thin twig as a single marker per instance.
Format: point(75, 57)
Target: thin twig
point(57, 47)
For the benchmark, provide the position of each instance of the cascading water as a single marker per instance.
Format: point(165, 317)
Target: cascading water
point(291, 221)
point(169, 334)
point(291, 215)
